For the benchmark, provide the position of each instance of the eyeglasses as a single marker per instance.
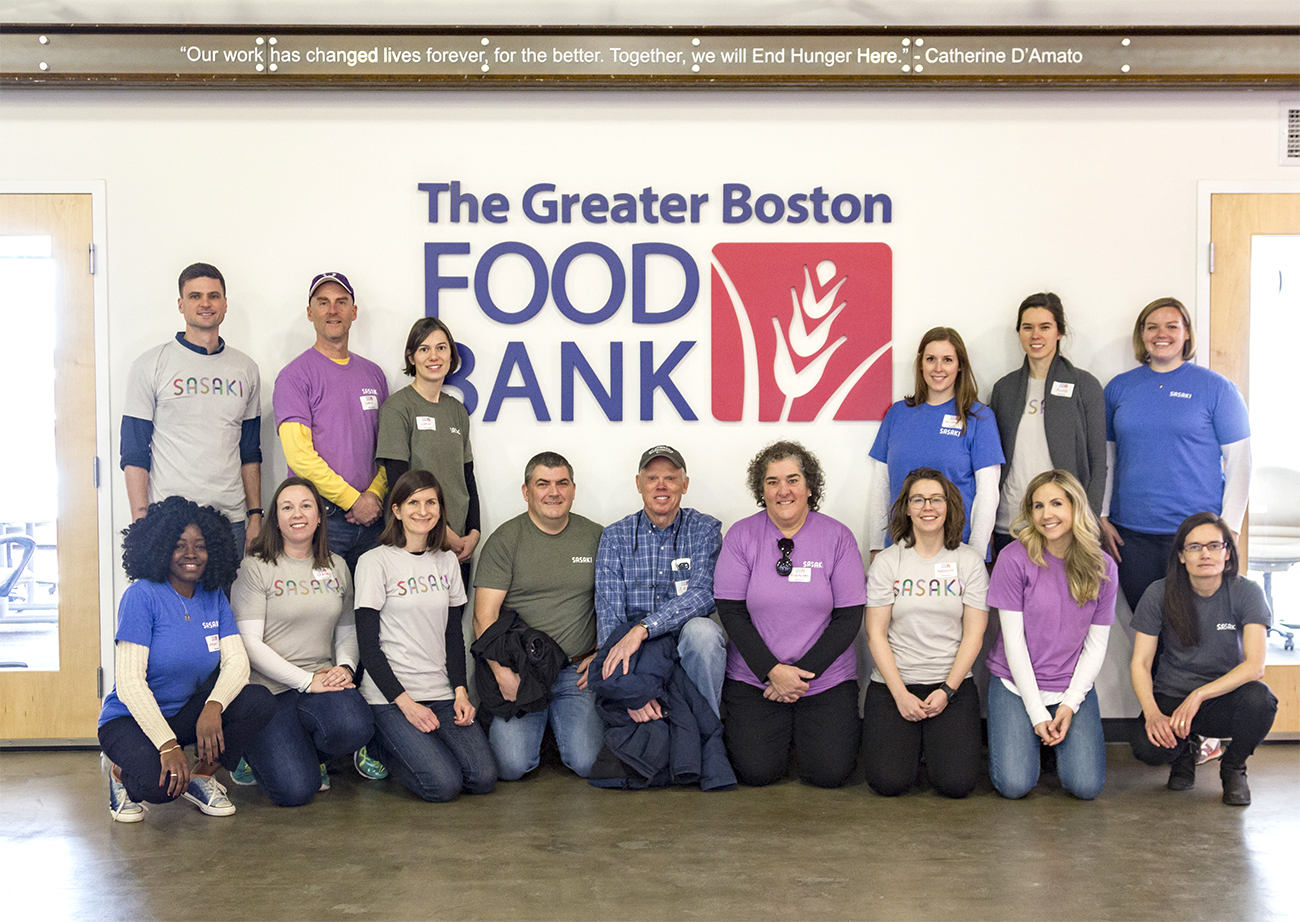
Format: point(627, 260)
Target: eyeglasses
point(784, 566)
point(918, 502)
point(1212, 548)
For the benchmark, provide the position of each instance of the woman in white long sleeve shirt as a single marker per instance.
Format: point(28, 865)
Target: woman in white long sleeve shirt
point(1055, 591)
point(293, 605)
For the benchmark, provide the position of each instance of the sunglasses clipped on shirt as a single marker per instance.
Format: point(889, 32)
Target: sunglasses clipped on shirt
point(786, 547)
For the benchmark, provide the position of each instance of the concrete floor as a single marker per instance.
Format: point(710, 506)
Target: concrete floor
point(551, 847)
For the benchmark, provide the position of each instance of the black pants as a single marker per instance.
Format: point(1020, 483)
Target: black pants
point(824, 728)
point(1245, 714)
point(134, 753)
point(1145, 560)
point(895, 745)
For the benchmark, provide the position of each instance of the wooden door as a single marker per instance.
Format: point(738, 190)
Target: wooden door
point(62, 705)
point(1234, 219)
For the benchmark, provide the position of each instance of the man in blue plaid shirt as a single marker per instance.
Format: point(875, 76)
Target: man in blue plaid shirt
point(655, 568)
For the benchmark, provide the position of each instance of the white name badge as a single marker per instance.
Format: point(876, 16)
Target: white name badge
point(369, 402)
point(214, 643)
point(951, 421)
point(322, 573)
point(1063, 389)
point(682, 585)
point(801, 575)
point(946, 570)
point(426, 422)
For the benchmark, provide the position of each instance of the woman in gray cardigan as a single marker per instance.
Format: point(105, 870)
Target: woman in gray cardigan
point(1050, 415)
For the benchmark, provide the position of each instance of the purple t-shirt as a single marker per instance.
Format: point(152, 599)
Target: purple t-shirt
point(1055, 625)
point(791, 613)
point(340, 404)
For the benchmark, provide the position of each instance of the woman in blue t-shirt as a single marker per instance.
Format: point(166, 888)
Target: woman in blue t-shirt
point(1212, 623)
point(181, 668)
point(1178, 437)
point(941, 426)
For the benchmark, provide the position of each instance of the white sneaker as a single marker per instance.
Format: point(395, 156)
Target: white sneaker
point(1211, 749)
point(206, 793)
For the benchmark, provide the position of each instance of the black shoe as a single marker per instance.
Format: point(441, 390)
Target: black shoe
point(1236, 792)
point(1182, 774)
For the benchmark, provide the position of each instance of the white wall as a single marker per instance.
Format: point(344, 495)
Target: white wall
point(995, 195)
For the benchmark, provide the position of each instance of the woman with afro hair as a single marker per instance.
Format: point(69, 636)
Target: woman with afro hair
point(182, 672)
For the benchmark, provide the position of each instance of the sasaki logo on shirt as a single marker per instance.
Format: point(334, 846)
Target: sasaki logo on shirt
point(799, 331)
point(202, 387)
point(582, 560)
point(926, 587)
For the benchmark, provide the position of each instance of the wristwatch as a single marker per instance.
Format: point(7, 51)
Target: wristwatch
point(948, 690)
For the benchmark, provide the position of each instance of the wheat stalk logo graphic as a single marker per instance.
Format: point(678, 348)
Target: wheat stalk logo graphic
point(810, 327)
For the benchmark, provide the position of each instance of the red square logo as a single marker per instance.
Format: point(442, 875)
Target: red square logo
point(801, 331)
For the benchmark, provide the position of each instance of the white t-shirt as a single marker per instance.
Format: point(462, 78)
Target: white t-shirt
point(929, 598)
point(412, 593)
point(1029, 457)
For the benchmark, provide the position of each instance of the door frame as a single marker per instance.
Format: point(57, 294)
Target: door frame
point(98, 191)
point(1204, 189)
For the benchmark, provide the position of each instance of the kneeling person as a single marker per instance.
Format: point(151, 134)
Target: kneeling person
point(654, 569)
point(541, 565)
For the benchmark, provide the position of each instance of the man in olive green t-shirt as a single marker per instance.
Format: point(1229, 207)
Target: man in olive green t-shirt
point(541, 564)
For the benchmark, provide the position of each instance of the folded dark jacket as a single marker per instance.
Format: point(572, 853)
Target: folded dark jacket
point(531, 653)
point(685, 747)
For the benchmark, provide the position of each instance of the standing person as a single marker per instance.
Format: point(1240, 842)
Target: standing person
point(926, 615)
point(409, 605)
point(1050, 415)
point(1212, 624)
point(654, 569)
point(540, 567)
point(327, 404)
point(192, 420)
point(423, 429)
point(790, 590)
point(1179, 437)
point(293, 604)
point(181, 669)
point(940, 426)
point(1055, 594)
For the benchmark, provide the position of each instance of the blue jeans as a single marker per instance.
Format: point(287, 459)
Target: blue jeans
point(1014, 747)
point(347, 539)
point(434, 766)
point(305, 731)
point(579, 732)
point(703, 652)
point(239, 531)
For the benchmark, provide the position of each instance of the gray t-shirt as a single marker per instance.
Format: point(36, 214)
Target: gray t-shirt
point(412, 593)
point(301, 605)
point(1221, 618)
point(1029, 458)
point(197, 404)
point(929, 598)
point(549, 579)
point(431, 437)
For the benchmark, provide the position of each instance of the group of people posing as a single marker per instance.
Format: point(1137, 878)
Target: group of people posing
point(340, 633)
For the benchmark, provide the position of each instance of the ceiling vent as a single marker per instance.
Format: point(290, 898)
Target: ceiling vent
point(1289, 155)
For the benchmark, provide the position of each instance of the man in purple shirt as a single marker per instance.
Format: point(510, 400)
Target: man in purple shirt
point(327, 415)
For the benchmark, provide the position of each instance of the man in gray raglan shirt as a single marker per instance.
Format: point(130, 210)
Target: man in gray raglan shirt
point(192, 421)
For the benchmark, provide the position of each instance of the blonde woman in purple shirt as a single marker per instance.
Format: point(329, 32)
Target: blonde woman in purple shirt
point(1055, 591)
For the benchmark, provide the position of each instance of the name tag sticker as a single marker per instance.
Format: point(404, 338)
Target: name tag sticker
point(682, 585)
point(322, 573)
point(951, 421)
point(426, 422)
point(801, 575)
point(214, 643)
point(1063, 389)
point(946, 570)
point(369, 402)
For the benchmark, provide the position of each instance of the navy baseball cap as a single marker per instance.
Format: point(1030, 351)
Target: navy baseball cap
point(336, 277)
